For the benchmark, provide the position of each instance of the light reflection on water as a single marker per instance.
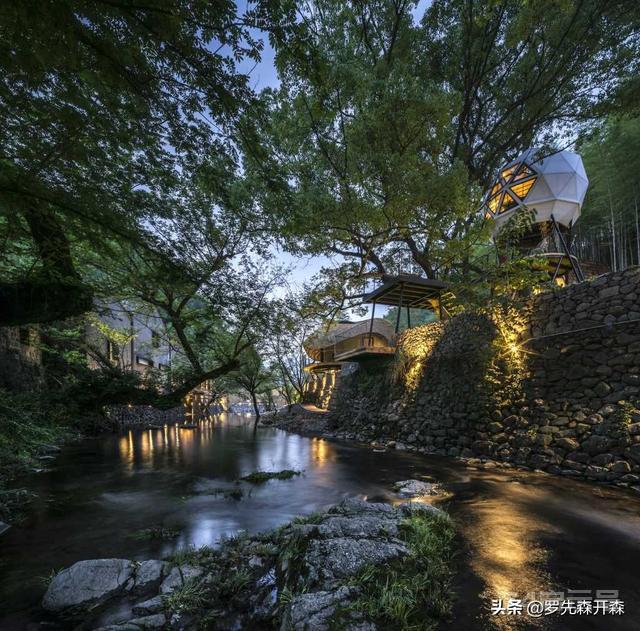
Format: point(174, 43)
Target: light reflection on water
point(524, 532)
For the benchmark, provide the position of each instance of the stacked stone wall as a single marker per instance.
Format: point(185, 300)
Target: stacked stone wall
point(552, 385)
point(124, 416)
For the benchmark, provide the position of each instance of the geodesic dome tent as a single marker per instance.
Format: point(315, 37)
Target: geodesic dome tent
point(549, 185)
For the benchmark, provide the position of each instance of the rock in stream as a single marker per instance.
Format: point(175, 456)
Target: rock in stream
point(294, 577)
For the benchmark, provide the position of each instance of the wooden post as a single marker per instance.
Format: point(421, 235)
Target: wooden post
point(373, 312)
point(399, 308)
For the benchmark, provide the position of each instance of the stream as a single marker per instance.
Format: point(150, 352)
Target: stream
point(520, 532)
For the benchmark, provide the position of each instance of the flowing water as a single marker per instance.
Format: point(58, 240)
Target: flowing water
point(520, 533)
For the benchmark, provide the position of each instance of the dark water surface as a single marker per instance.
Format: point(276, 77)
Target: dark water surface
point(520, 532)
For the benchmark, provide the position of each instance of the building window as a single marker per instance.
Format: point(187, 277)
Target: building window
point(144, 361)
point(522, 189)
point(113, 353)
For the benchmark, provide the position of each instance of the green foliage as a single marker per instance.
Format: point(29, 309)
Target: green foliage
point(609, 228)
point(385, 131)
point(103, 112)
point(415, 594)
point(314, 518)
point(618, 424)
point(252, 376)
point(27, 425)
point(233, 583)
point(418, 317)
point(260, 477)
point(192, 556)
point(129, 187)
point(189, 598)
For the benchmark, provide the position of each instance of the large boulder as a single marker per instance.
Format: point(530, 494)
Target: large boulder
point(149, 575)
point(327, 560)
point(88, 583)
point(315, 610)
point(349, 537)
point(415, 488)
point(317, 559)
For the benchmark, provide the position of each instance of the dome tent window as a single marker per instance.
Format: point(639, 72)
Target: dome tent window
point(552, 188)
point(557, 187)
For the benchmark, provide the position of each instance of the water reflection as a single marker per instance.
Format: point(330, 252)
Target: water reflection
point(522, 532)
point(508, 554)
point(321, 452)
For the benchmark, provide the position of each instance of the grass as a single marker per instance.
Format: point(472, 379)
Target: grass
point(47, 578)
point(259, 477)
point(233, 583)
point(155, 533)
point(26, 426)
point(313, 518)
point(191, 597)
point(191, 555)
point(413, 593)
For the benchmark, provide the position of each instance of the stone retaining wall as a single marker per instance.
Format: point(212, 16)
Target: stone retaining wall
point(553, 385)
point(142, 415)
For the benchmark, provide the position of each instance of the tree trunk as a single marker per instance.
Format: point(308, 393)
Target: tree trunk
point(256, 408)
point(54, 292)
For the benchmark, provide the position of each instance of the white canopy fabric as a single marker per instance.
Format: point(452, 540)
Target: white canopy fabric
point(553, 184)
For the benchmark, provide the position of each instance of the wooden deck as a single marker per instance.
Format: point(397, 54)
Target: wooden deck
point(322, 366)
point(366, 352)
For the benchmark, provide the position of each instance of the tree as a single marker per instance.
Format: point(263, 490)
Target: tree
point(253, 376)
point(609, 229)
point(387, 131)
point(103, 104)
point(211, 311)
point(284, 347)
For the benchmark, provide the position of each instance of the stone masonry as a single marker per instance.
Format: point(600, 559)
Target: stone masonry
point(552, 385)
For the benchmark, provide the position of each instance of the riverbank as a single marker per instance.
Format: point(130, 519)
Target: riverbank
point(184, 489)
point(301, 422)
point(358, 566)
point(31, 435)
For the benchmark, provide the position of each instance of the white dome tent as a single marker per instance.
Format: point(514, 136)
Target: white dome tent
point(552, 186)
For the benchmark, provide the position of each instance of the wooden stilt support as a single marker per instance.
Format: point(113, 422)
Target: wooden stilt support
point(373, 313)
point(399, 308)
point(574, 263)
